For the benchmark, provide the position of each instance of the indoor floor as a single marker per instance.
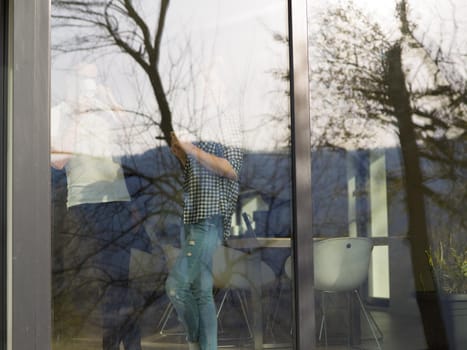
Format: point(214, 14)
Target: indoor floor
point(401, 331)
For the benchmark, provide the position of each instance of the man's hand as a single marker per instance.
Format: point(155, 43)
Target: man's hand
point(218, 165)
point(59, 159)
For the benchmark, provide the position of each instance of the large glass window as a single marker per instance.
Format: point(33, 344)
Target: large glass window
point(388, 116)
point(164, 116)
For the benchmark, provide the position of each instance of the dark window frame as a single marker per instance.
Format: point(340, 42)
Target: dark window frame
point(303, 277)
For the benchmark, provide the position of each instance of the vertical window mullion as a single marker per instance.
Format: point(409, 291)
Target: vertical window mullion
point(3, 171)
point(301, 174)
point(29, 176)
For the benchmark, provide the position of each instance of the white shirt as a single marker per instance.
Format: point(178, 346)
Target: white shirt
point(93, 176)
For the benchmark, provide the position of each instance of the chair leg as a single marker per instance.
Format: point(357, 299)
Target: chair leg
point(378, 330)
point(222, 302)
point(245, 315)
point(241, 297)
point(165, 318)
point(169, 311)
point(323, 321)
point(221, 305)
point(371, 322)
point(243, 302)
point(273, 316)
point(164, 315)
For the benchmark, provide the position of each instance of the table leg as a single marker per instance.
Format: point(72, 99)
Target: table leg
point(254, 275)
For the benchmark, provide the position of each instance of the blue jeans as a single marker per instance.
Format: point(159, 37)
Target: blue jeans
point(190, 283)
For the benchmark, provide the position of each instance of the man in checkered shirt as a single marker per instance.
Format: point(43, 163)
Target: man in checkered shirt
point(210, 193)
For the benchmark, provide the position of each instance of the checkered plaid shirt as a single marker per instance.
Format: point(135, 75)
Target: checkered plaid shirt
point(207, 194)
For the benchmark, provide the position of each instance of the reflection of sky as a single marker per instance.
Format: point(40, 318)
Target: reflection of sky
point(437, 23)
point(436, 19)
point(217, 61)
point(224, 58)
point(235, 43)
point(440, 22)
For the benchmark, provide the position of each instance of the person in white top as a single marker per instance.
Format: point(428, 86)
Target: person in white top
point(100, 226)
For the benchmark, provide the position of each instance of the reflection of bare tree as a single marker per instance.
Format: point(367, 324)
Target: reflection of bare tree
point(100, 27)
point(94, 245)
point(153, 178)
point(365, 80)
point(370, 80)
point(79, 287)
point(118, 24)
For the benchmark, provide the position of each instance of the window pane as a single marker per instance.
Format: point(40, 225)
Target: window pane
point(388, 118)
point(135, 223)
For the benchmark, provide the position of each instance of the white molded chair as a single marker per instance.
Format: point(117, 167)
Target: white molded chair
point(341, 265)
point(230, 272)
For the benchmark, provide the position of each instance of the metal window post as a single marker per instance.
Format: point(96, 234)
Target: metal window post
point(3, 172)
point(301, 168)
point(30, 175)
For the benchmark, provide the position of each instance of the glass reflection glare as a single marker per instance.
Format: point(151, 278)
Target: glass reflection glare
point(208, 73)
